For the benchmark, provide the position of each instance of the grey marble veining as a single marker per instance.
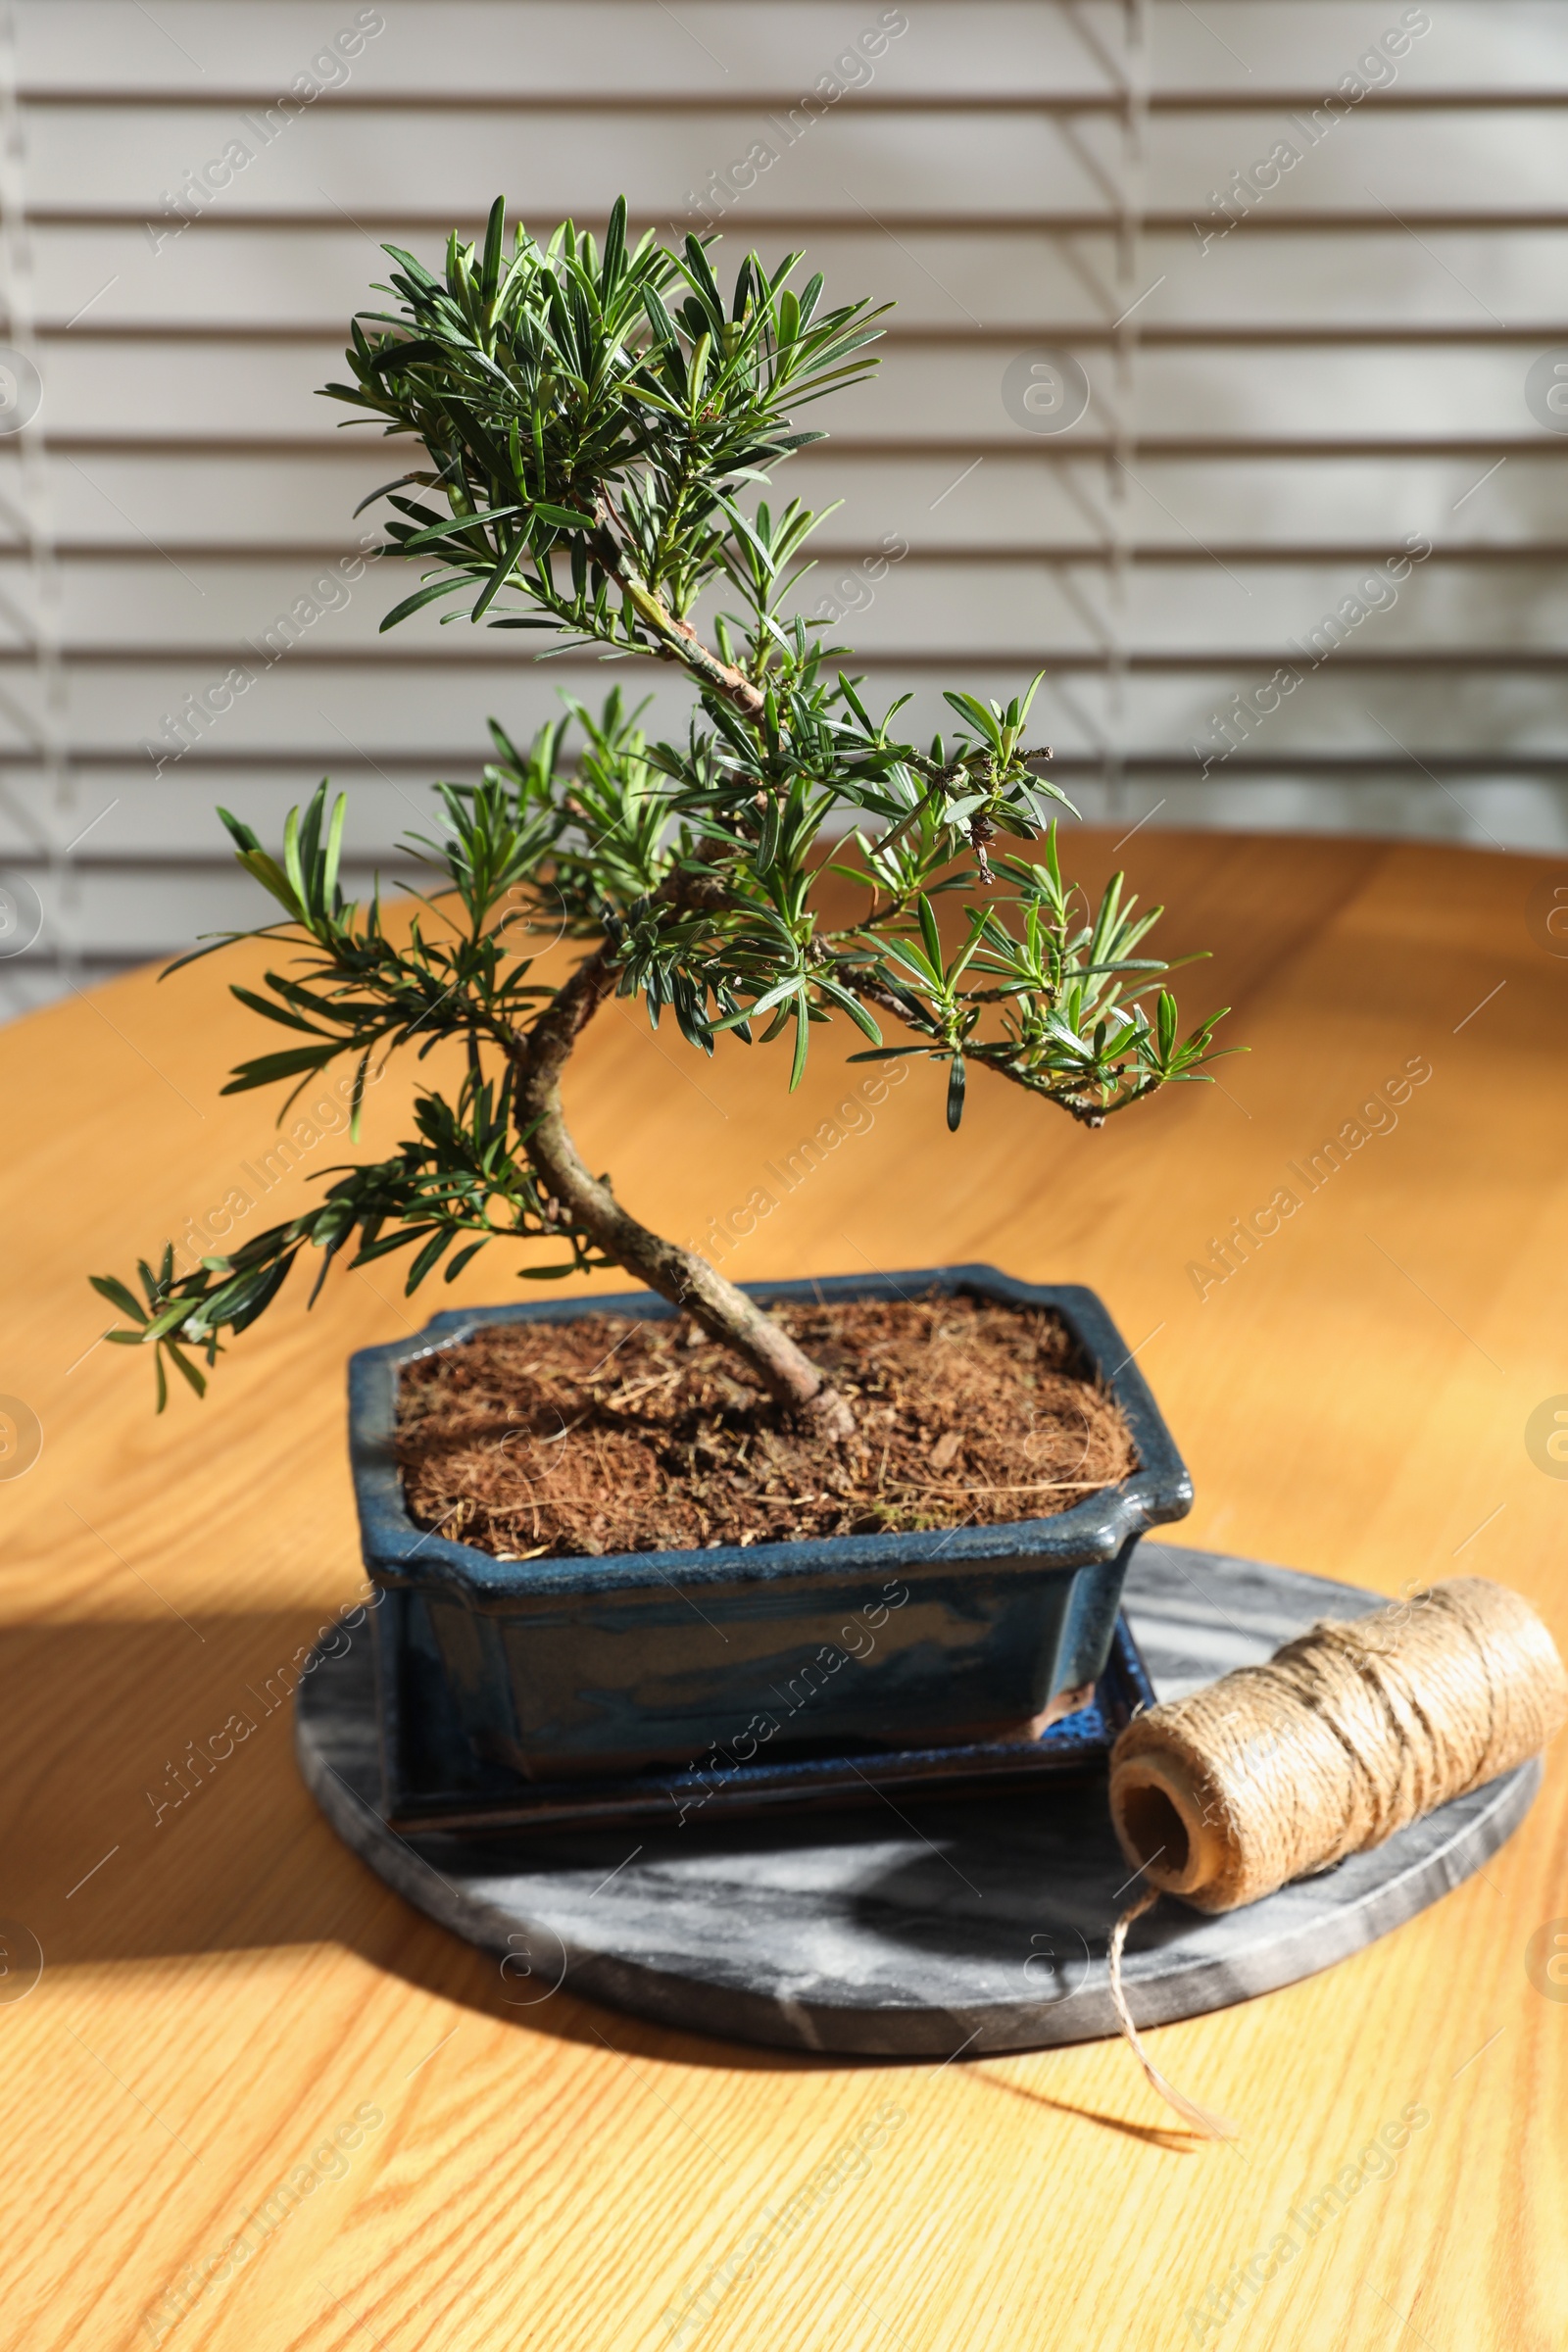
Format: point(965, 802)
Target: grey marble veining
point(910, 1930)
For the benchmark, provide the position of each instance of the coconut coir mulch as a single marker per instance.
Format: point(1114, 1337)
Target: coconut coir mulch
point(610, 1435)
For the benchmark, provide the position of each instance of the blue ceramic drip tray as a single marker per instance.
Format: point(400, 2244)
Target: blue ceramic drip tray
point(570, 1667)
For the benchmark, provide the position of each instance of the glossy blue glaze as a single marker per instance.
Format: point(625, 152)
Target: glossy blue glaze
point(579, 1665)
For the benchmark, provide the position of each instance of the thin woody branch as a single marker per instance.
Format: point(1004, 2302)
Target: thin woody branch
point(673, 640)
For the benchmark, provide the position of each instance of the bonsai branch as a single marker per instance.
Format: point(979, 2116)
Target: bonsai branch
point(673, 640)
point(1070, 1091)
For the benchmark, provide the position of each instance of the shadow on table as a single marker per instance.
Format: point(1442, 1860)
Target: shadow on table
point(122, 1847)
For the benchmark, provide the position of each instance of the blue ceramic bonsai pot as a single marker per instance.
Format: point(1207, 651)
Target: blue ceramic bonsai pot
point(572, 1666)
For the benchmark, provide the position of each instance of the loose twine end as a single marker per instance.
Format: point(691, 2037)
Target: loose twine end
point(1203, 2119)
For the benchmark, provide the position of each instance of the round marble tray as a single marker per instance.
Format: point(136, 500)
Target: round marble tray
point(903, 1930)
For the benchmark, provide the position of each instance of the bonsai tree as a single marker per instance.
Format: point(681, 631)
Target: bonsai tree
point(590, 421)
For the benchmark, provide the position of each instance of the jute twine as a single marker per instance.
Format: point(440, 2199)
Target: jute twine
point(1349, 1733)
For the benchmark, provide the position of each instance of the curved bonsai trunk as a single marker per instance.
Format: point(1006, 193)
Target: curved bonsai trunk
point(679, 1274)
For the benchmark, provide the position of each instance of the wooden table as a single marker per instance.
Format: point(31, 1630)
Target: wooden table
point(224, 1989)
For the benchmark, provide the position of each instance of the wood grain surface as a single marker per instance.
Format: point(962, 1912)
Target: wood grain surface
point(227, 1998)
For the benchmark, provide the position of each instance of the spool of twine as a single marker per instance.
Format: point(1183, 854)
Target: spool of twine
point(1349, 1733)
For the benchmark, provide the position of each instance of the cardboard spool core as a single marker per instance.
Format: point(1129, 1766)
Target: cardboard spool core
point(1160, 1818)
